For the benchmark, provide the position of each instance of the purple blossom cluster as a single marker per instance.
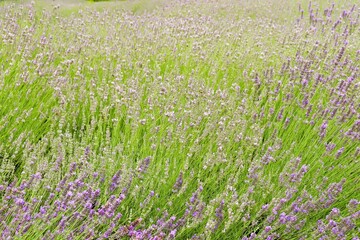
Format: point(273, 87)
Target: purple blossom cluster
point(78, 207)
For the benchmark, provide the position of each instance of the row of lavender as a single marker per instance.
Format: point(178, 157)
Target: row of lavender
point(182, 122)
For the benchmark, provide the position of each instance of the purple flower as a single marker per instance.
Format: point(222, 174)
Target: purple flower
point(109, 231)
point(321, 226)
point(109, 214)
point(265, 207)
point(304, 169)
point(291, 218)
point(178, 183)
point(304, 82)
point(72, 167)
point(323, 129)
point(19, 201)
point(270, 219)
point(336, 231)
point(335, 211)
point(330, 147)
point(219, 215)
point(275, 211)
point(144, 165)
point(172, 233)
point(115, 181)
point(96, 193)
point(218, 211)
point(196, 213)
point(42, 210)
point(91, 213)
point(282, 218)
point(332, 223)
point(353, 203)
point(27, 217)
point(69, 194)
point(339, 152)
point(101, 211)
point(193, 197)
point(118, 216)
point(295, 208)
point(252, 236)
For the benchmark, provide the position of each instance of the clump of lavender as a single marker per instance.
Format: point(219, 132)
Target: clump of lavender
point(179, 121)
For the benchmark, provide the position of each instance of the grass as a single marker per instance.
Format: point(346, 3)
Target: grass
point(230, 98)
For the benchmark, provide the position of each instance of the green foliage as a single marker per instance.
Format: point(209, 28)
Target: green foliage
point(194, 87)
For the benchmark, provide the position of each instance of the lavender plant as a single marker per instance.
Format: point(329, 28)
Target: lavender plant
point(188, 120)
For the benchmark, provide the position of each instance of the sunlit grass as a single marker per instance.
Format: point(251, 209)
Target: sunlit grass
point(204, 119)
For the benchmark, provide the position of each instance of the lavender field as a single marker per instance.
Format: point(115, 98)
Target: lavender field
point(180, 119)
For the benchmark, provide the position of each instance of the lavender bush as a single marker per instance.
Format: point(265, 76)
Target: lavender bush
point(180, 120)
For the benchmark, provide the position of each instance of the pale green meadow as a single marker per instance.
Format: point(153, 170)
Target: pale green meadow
point(186, 119)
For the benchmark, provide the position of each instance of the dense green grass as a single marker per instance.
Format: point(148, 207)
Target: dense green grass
point(199, 88)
